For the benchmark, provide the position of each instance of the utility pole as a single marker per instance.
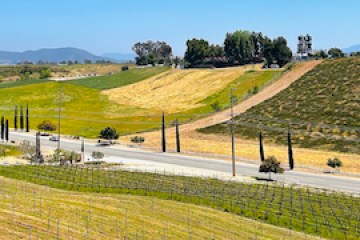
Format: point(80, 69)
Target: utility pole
point(232, 123)
point(163, 139)
point(177, 136)
point(59, 120)
point(82, 150)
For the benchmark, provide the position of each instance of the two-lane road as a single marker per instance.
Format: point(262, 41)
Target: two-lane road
point(291, 177)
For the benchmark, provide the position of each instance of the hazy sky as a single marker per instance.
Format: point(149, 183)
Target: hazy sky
point(103, 26)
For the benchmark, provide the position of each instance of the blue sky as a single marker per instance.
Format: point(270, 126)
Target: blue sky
point(103, 26)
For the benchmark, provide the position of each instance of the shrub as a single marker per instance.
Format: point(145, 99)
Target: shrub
point(269, 165)
point(47, 126)
point(334, 163)
point(124, 68)
point(97, 155)
point(138, 140)
point(215, 106)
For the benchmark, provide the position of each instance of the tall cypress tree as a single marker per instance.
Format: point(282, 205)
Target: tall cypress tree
point(262, 154)
point(15, 118)
point(290, 151)
point(163, 140)
point(27, 118)
point(177, 136)
point(7, 130)
point(2, 128)
point(21, 118)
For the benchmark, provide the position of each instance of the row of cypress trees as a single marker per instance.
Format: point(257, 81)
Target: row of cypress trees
point(24, 122)
point(290, 151)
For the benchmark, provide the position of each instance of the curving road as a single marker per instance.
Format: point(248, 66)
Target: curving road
point(351, 185)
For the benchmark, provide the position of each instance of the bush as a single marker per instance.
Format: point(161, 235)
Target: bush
point(334, 163)
point(47, 126)
point(215, 106)
point(138, 140)
point(97, 155)
point(124, 68)
point(269, 165)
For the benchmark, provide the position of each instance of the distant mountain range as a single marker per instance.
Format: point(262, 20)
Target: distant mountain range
point(355, 48)
point(120, 56)
point(53, 55)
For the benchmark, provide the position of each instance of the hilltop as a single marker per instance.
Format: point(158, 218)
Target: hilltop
point(322, 109)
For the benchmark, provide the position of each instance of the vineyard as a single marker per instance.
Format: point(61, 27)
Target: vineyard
point(322, 109)
point(313, 211)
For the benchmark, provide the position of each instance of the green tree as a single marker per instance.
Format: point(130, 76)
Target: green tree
point(281, 52)
point(152, 52)
point(109, 134)
point(269, 165)
point(335, 53)
point(334, 163)
point(45, 73)
point(197, 51)
point(47, 126)
point(239, 47)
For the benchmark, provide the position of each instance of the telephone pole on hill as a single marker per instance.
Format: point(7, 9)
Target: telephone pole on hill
point(59, 118)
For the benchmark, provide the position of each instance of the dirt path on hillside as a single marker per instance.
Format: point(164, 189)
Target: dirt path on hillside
point(284, 82)
point(193, 141)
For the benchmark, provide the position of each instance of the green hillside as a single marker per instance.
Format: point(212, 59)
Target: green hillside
point(322, 108)
point(121, 79)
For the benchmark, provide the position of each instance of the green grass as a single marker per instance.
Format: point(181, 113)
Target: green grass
point(322, 108)
point(120, 79)
point(327, 214)
point(9, 150)
point(20, 83)
point(85, 110)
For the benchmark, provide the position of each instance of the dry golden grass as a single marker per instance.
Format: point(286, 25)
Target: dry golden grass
point(192, 141)
point(29, 211)
point(177, 90)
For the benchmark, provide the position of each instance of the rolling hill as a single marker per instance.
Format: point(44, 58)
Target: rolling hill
point(53, 55)
point(322, 109)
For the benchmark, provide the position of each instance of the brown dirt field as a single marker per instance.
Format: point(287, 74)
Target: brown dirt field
point(192, 141)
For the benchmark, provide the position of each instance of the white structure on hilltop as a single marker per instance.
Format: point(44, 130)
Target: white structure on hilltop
point(304, 46)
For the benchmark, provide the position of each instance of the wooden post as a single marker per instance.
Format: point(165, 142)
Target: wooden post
point(262, 154)
point(290, 152)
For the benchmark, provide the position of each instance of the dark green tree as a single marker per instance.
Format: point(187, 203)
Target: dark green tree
point(27, 119)
point(109, 134)
point(290, 151)
point(239, 46)
point(197, 50)
point(336, 53)
point(262, 154)
point(2, 128)
point(177, 136)
point(269, 165)
point(281, 52)
point(21, 118)
point(15, 118)
point(334, 163)
point(163, 136)
point(7, 130)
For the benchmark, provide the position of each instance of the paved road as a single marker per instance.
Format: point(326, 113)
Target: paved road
point(315, 180)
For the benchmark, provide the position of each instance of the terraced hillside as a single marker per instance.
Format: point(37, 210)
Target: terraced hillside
point(322, 108)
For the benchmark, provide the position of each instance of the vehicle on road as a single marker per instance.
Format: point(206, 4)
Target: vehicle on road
point(54, 138)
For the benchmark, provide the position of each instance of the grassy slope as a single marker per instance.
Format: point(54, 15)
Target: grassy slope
point(120, 79)
point(20, 83)
point(149, 217)
point(86, 110)
point(321, 213)
point(322, 108)
point(9, 151)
